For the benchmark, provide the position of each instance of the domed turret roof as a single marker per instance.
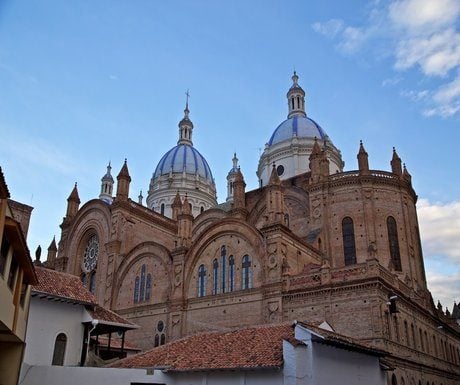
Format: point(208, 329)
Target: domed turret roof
point(297, 126)
point(184, 158)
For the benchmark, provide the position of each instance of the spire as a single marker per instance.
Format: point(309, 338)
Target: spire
point(73, 197)
point(231, 176)
point(186, 125)
point(52, 245)
point(107, 186)
point(140, 198)
point(52, 251)
point(296, 98)
point(239, 194)
point(123, 180)
point(396, 163)
point(406, 174)
point(176, 206)
point(274, 178)
point(73, 201)
point(363, 162)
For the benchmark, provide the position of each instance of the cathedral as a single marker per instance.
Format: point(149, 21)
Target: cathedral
point(312, 243)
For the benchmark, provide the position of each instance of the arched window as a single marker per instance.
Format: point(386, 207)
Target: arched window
point(157, 340)
point(136, 290)
point(421, 340)
point(59, 349)
point(92, 282)
point(162, 339)
point(349, 249)
point(201, 209)
point(215, 276)
point(223, 255)
point(246, 273)
point(394, 381)
point(394, 243)
point(201, 281)
point(148, 287)
point(406, 333)
point(231, 273)
point(142, 285)
point(414, 343)
point(83, 279)
point(162, 209)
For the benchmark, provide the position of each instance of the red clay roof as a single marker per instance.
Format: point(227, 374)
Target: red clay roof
point(62, 285)
point(108, 317)
point(254, 348)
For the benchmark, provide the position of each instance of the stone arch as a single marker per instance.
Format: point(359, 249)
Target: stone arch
point(234, 229)
point(93, 217)
point(158, 260)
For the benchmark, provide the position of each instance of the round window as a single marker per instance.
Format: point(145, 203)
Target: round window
point(160, 326)
point(280, 170)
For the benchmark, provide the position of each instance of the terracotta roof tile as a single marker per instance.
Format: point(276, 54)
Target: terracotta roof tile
point(253, 348)
point(108, 316)
point(62, 285)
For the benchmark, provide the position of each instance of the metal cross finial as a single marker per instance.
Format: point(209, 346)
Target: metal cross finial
point(187, 94)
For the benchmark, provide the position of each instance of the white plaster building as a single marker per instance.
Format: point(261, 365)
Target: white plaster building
point(62, 313)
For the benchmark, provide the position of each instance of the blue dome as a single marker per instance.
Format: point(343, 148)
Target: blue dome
point(184, 157)
point(299, 126)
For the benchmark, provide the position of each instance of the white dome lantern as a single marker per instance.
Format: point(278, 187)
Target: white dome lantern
point(182, 169)
point(291, 144)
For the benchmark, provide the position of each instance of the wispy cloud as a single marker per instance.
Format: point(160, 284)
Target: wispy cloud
point(421, 34)
point(32, 152)
point(440, 232)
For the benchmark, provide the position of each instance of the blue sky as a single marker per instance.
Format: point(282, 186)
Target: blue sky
point(85, 82)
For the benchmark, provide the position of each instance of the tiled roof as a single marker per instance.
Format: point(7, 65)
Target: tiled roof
point(115, 343)
point(108, 317)
point(62, 285)
point(254, 348)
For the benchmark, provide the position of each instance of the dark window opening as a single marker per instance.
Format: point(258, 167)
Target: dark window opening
point(349, 248)
point(59, 349)
point(394, 243)
point(4, 254)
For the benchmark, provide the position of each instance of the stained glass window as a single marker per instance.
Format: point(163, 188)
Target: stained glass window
point(223, 253)
point(201, 281)
point(215, 276)
point(148, 287)
point(92, 282)
point(136, 290)
point(231, 273)
point(142, 285)
point(246, 281)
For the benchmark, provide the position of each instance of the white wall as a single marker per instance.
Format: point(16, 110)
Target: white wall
point(58, 375)
point(46, 320)
point(344, 367)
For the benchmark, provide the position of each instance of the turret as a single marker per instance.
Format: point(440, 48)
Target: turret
point(185, 221)
point(396, 164)
point(73, 202)
point(123, 181)
point(52, 252)
point(185, 126)
point(231, 178)
point(275, 198)
point(176, 206)
point(239, 194)
point(296, 98)
point(406, 176)
point(363, 161)
point(107, 186)
point(315, 162)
